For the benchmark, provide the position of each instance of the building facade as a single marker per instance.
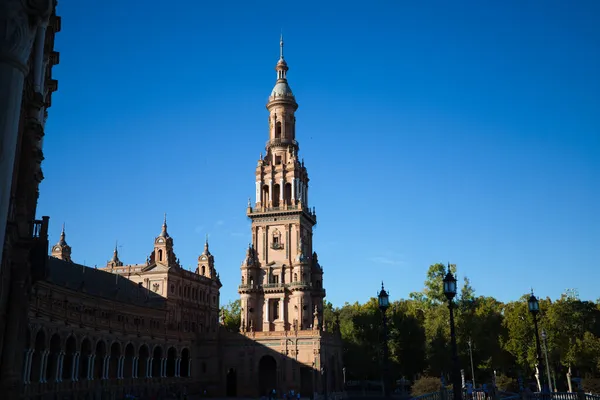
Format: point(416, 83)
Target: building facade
point(282, 345)
point(27, 58)
point(77, 332)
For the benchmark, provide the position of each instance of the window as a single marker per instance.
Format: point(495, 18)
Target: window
point(160, 255)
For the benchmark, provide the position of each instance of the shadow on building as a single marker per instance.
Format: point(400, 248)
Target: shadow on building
point(305, 361)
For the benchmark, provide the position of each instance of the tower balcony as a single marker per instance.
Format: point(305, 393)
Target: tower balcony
point(274, 287)
point(284, 209)
point(279, 142)
point(300, 285)
point(248, 288)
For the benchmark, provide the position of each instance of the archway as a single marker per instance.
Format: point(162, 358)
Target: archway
point(184, 365)
point(53, 358)
point(276, 195)
point(128, 363)
point(68, 372)
point(231, 383)
point(99, 360)
point(171, 360)
point(37, 375)
point(156, 362)
point(115, 360)
point(84, 360)
point(287, 193)
point(267, 375)
point(144, 353)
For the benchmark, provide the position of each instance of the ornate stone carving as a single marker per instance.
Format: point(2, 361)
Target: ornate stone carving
point(19, 20)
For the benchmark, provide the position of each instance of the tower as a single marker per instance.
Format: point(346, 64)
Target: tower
point(163, 248)
point(61, 249)
point(206, 263)
point(282, 281)
point(114, 261)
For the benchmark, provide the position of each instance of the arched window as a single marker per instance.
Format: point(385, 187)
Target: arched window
point(295, 277)
point(203, 270)
point(159, 255)
point(277, 130)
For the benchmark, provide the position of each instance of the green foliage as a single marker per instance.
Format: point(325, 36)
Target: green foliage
point(502, 336)
point(232, 316)
point(425, 385)
point(507, 384)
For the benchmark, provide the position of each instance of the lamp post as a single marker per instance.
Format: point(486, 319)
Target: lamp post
point(472, 368)
point(384, 303)
point(534, 309)
point(547, 363)
point(450, 292)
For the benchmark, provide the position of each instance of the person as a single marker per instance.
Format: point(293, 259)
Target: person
point(469, 390)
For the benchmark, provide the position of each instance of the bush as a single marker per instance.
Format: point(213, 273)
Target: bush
point(591, 385)
point(507, 384)
point(424, 385)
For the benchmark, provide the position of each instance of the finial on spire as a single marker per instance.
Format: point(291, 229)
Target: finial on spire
point(281, 46)
point(165, 220)
point(63, 229)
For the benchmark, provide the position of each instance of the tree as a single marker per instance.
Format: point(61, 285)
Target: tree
point(232, 316)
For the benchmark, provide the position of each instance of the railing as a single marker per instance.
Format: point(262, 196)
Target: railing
point(279, 142)
point(480, 395)
point(285, 207)
point(273, 285)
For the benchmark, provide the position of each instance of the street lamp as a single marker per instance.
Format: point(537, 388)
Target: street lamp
point(450, 292)
point(546, 356)
point(384, 303)
point(472, 368)
point(534, 309)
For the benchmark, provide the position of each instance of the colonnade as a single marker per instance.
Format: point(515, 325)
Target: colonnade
point(43, 365)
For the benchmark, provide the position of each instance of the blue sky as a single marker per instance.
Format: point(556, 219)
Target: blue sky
point(461, 131)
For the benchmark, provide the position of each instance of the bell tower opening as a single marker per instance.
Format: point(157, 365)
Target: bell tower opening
point(277, 130)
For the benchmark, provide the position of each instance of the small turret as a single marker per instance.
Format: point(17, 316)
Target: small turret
point(61, 249)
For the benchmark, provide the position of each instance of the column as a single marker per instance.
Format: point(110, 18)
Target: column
point(281, 187)
point(134, 367)
point(294, 189)
point(73, 365)
point(258, 191)
point(43, 363)
point(26, 365)
point(90, 369)
point(120, 367)
point(76, 369)
point(281, 308)
point(189, 375)
point(177, 367)
point(16, 40)
point(105, 364)
point(149, 362)
point(58, 369)
point(270, 191)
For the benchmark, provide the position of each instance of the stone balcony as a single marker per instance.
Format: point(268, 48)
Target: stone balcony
point(283, 209)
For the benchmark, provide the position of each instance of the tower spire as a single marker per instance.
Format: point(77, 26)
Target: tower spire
point(163, 232)
point(281, 47)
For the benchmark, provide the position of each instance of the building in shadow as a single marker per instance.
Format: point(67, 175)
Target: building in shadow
point(76, 332)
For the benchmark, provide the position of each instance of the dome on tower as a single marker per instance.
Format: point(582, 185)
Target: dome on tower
point(281, 89)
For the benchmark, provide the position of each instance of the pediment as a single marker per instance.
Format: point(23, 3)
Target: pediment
point(156, 268)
